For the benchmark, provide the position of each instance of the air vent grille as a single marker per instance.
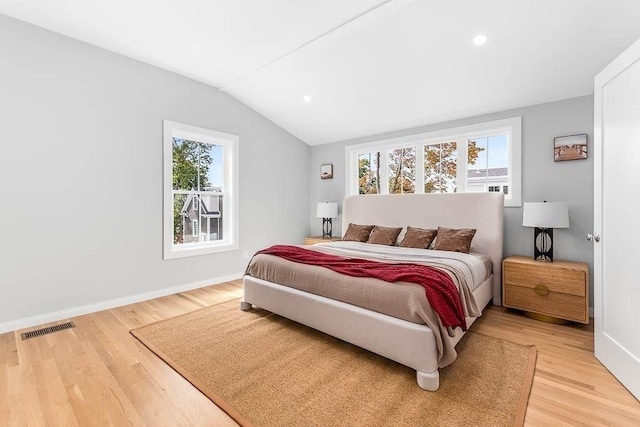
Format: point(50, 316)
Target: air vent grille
point(48, 330)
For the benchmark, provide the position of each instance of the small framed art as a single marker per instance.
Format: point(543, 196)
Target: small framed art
point(570, 147)
point(326, 171)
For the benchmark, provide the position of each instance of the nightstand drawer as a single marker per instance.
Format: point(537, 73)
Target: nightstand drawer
point(564, 306)
point(560, 280)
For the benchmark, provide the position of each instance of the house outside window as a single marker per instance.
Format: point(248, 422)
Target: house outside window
point(200, 191)
point(476, 158)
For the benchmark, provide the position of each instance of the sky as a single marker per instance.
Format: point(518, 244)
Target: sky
point(215, 174)
point(496, 150)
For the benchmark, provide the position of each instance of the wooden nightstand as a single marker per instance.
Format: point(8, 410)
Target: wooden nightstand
point(319, 239)
point(547, 290)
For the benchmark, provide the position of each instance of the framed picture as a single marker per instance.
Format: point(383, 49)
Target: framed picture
point(326, 171)
point(570, 147)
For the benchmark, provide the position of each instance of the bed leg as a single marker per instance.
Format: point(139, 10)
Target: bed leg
point(245, 306)
point(429, 381)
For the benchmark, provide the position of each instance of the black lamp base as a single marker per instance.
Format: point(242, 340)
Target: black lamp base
point(327, 228)
point(543, 244)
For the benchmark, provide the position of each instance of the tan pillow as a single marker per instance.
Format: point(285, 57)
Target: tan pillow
point(384, 235)
point(418, 238)
point(358, 233)
point(454, 239)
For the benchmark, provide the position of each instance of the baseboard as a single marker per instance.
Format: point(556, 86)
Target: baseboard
point(55, 316)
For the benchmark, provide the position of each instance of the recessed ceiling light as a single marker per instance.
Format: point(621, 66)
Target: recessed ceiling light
point(479, 39)
point(307, 98)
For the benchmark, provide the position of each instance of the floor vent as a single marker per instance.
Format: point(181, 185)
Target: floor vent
point(49, 330)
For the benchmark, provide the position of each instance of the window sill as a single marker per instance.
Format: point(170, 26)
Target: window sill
point(178, 252)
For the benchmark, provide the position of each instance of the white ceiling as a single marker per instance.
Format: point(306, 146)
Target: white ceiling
point(369, 66)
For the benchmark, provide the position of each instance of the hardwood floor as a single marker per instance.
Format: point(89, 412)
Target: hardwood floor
point(98, 374)
point(570, 386)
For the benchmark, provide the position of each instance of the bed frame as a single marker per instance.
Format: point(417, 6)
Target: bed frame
point(405, 342)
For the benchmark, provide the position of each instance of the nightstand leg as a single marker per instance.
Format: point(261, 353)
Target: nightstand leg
point(546, 318)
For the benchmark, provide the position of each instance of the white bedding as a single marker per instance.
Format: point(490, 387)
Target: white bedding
point(475, 267)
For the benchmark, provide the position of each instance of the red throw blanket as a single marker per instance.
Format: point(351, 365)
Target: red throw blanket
point(439, 288)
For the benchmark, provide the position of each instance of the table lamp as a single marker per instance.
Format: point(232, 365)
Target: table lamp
point(544, 216)
point(326, 211)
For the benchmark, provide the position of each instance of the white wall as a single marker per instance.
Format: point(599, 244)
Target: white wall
point(542, 178)
point(81, 175)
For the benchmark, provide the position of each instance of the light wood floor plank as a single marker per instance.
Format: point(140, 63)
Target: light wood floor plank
point(4, 391)
point(570, 386)
point(24, 405)
point(98, 374)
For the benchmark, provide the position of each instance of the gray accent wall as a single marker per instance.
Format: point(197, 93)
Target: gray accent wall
point(81, 175)
point(542, 178)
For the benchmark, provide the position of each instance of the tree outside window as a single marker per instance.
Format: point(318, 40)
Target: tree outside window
point(441, 165)
point(369, 173)
point(402, 170)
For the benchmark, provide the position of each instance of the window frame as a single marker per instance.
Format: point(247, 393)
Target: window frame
point(512, 127)
point(230, 210)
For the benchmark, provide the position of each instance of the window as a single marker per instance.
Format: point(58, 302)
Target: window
point(476, 158)
point(488, 163)
point(440, 167)
point(200, 191)
point(369, 173)
point(402, 170)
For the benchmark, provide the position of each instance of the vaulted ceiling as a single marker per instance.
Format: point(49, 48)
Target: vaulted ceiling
point(366, 66)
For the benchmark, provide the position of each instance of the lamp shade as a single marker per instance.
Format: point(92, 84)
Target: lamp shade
point(546, 215)
point(327, 210)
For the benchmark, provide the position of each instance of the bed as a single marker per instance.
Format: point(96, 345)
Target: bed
point(415, 345)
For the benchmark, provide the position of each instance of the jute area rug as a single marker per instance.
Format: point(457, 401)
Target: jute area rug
point(264, 370)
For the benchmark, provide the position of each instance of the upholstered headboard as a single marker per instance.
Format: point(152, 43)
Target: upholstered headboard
point(482, 211)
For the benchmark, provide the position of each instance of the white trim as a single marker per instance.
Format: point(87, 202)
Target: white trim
point(231, 209)
point(513, 126)
point(514, 198)
point(28, 322)
point(202, 193)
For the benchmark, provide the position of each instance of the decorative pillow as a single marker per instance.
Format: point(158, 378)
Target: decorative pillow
point(358, 233)
point(418, 238)
point(454, 239)
point(384, 235)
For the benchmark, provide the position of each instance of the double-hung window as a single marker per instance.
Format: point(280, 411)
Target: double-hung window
point(200, 191)
point(484, 157)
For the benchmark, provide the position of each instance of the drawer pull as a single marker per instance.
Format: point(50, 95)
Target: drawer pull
point(542, 290)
